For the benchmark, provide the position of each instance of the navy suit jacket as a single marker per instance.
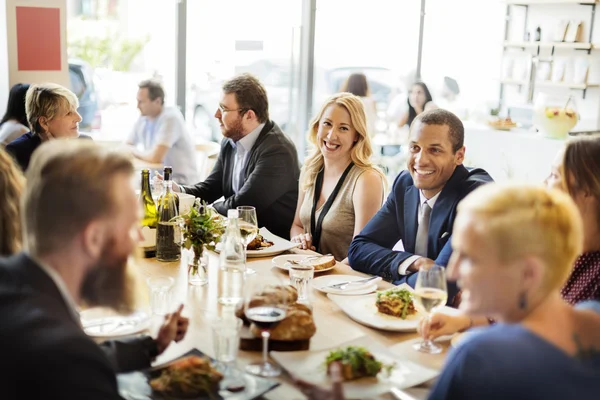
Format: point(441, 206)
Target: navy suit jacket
point(22, 148)
point(371, 250)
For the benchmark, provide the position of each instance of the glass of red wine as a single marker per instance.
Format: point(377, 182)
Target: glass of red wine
point(265, 305)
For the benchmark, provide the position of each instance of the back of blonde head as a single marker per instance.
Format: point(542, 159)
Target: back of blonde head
point(525, 220)
point(11, 186)
point(361, 151)
point(46, 100)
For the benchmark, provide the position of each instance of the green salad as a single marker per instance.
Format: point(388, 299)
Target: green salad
point(356, 362)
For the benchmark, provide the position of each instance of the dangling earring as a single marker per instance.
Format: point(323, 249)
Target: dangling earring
point(523, 300)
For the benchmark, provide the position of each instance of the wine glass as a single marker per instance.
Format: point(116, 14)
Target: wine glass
point(248, 229)
point(265, 305)
point(430, 295)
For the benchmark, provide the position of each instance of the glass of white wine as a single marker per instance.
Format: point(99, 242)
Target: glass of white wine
point(431, 294)
point(248, 230)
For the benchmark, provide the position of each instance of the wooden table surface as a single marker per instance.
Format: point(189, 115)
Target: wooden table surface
point(334, 327)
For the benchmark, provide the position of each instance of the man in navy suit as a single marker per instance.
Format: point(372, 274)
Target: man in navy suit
point(421, 208)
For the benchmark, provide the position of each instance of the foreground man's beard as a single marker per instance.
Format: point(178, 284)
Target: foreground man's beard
point(110, 283)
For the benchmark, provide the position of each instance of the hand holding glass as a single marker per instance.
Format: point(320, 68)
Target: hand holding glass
point(431, 294)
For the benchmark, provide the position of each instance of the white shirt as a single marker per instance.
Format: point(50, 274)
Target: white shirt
point(431, 202)
point(11, 130)
point(62, 288)
point(168, 129)
point(242, 155)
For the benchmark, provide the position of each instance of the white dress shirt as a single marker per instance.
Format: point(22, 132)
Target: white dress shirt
point(431, 202)
point(242, 154)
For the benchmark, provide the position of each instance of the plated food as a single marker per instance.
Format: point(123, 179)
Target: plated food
point(259, 243)
point(357, 362)
point(191, 376)
point(397, 302)
point(503, 124)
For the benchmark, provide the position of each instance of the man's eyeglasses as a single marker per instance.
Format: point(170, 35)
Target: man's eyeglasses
point(224, 110)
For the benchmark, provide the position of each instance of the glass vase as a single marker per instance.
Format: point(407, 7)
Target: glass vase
point(198, 267)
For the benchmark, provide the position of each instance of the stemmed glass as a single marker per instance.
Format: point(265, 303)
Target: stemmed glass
point(248, 230)
point(265, 305)
point(431, 294)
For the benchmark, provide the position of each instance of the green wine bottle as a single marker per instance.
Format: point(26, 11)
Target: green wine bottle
point(167, 249)
point(150, 219)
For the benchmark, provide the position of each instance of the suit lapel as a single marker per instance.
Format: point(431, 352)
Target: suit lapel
point(445, 204)
point(253, 152)
point(228, 161)
point(411, 208)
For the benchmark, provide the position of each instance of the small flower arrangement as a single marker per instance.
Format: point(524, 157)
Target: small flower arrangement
point(202, 226)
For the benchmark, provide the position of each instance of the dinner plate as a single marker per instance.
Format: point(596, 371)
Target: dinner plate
point(310, 366)
point(321, 284)
point(279, 245)
point(283, 262)
point(135, 385)
point(362, 309)
point(104, 322)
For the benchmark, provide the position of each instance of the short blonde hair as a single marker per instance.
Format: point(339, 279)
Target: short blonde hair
point(46, 100)
point(67, 188)
point(525, 220)
point(361, 151)
point(11, 187)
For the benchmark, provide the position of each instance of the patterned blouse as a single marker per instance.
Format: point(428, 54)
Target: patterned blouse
point(584, 281)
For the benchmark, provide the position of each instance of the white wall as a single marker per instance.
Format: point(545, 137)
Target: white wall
point(15, 76)
point(4, 86)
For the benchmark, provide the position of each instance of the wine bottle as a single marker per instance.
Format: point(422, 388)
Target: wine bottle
point(166, 247)
point(150, 219)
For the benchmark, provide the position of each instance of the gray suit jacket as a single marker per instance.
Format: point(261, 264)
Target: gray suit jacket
point(45, 353)
point(270, 184)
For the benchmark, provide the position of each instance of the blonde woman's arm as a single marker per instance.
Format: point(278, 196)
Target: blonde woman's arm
point(403, 120)
point(297, 233)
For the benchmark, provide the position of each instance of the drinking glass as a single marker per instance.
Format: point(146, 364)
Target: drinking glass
point(226, 341)
point(248, 230)
point(265, 305)
point(300, 277)
point(160, 293)
point(431, 294)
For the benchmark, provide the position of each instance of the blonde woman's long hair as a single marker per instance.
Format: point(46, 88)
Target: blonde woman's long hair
point(361, 151)
point(11, 186)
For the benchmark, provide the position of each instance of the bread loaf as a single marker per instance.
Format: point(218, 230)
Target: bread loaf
point(320, 263)
point(297, 325)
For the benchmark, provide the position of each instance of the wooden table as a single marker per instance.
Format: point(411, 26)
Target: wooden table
point(334, 327)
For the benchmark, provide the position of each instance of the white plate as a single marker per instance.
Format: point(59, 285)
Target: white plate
point(283, 262)
point(104, 322)
point(279, 245)
point(310, 366)
point(362, 309)
point(322, 282)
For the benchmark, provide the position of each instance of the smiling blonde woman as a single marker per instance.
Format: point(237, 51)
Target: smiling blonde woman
point(340, 189)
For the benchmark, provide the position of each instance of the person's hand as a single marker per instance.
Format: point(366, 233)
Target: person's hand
point(421, 263)
point(305, 239)
point(174, 328)
point(439, 324)
point(157, 180)
point(314, 392)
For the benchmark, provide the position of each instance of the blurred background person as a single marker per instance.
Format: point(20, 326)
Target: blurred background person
point(14, 122)
point(358, 85)
point(339, 186)
point(450, 99)
point(419, 100)
point(514, 247)
point(52, 114)
point(11, 186)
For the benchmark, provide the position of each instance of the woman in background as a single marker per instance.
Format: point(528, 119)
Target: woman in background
point(419, 100)
point(14, 122)
point(357, 85)
point(11, 186)
point(340, 189)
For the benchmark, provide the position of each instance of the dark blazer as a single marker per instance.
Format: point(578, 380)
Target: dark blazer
point(270, 184)
point(45, 353)
point(22, 148)
point(371, 250)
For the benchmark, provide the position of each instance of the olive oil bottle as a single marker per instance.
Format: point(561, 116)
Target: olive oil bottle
point(167, 242)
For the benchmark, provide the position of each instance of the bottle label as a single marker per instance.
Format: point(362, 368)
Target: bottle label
point(149, 237)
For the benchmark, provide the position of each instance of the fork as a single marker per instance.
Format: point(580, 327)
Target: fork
point(344, 285)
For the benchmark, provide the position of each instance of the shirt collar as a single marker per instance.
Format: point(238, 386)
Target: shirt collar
point(62, 288)
point(247, 142)
point(431, 201)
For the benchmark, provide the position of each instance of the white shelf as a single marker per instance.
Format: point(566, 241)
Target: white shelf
point(558, 45)
point(530, 2)
point(567, 85)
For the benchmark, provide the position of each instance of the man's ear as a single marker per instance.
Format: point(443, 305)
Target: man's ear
point(459, 156)
point(93, 239)
point(250, 114)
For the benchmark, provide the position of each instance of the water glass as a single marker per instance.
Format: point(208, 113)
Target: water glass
point(160, 294)
point(300, 277)
point(226, 339)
